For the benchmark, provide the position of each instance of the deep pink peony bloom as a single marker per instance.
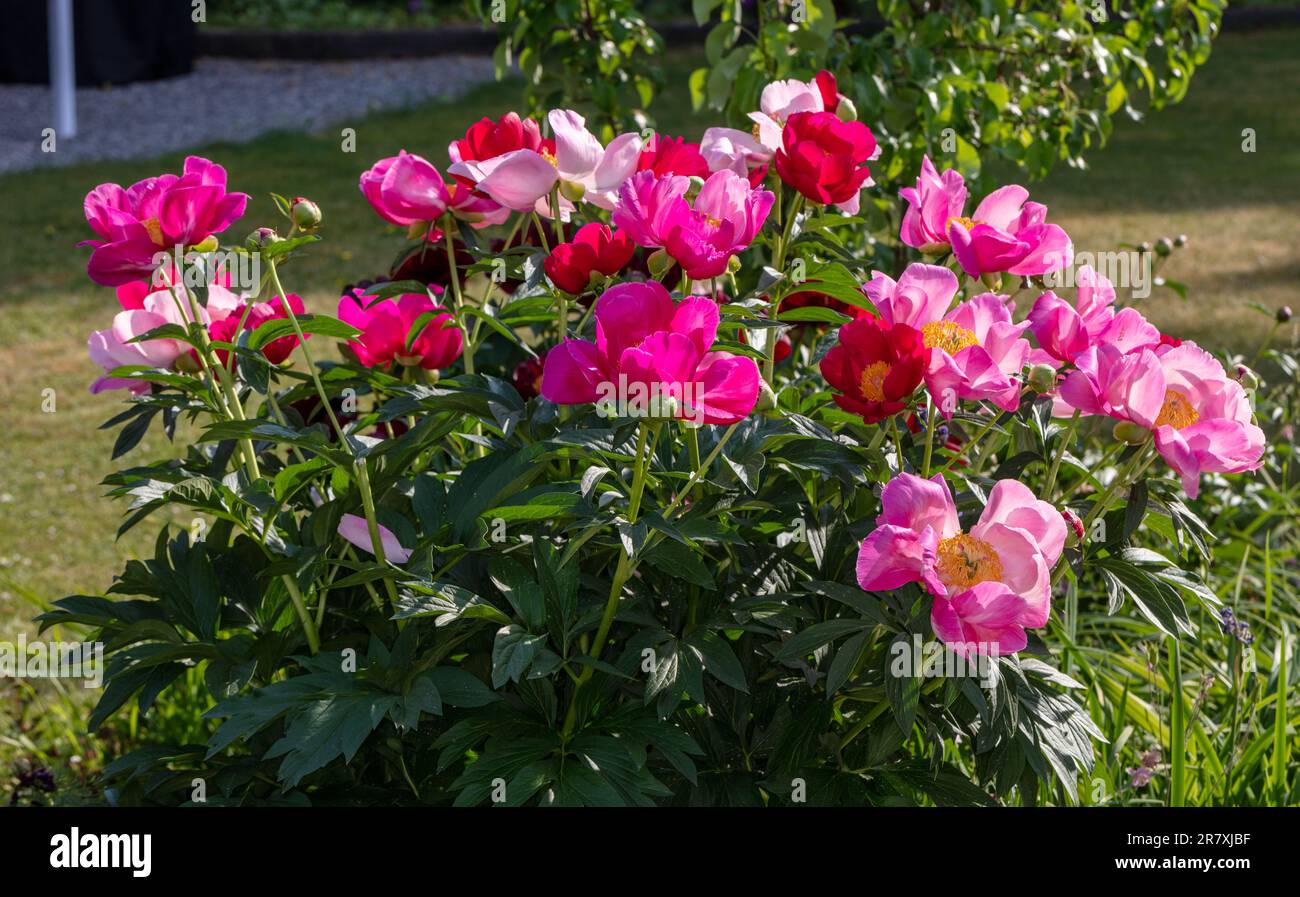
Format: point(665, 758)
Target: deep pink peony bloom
point(405, 189)
point(643, 338)
point(1006, 233)
point(733, 150)
point(990, 584)
point(931, 204)
point(701, 237)
point(385, 325)
point(1201, 418)
point(1064, 331)
point(521, 179)
point(156, 215)
point(977, 349)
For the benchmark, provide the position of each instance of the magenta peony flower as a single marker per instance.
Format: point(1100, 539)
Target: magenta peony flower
point(405, 189)
point(990, 584)
point(156, 215)
point(977, 350)
point(385, 325)
point(645, 341)
point(1006, 233)
point(724, 219)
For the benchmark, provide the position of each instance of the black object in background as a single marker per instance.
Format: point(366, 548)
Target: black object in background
point(116, 41)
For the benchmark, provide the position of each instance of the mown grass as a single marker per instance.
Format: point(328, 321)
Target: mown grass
point(1183, 171)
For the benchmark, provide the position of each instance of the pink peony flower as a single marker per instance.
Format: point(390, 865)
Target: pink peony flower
point(732, 150)
point(931, 204)
point(701, 237)
point(354, 529)
point(1064, 331)
point(977, 350)
point(385, 326)
point(779, 101)
point(521, 179)
point(156, 215)
point(1006, 233)
point(113, 347)
point(990, 584)
point(646, 341)
point(405, 189)
point(1200, 417)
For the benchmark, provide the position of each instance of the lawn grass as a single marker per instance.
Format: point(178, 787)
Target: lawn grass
point(1182, 171)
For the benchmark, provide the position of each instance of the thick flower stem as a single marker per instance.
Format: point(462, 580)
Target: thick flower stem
point(1066, 439)
point(621, 575)
point(929, 435)
point(459, 300)
point(359, 464)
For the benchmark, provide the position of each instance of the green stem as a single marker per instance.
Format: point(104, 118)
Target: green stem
point(929, 435)
point(1060, 453)
point(972, 442)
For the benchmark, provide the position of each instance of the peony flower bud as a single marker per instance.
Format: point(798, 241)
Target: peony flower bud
point(1128, 432)
point(766, 397)
point(1074, 531)
point(1164, 246)
point(207, 244)
point(305, 214)
point(695, 186)
point(659, 262)
point(1283, 314)
point(1248, 379)
point(992, 280)
point(846, 111)
point(262, 237)
point(572, 191)
point(1042, 378)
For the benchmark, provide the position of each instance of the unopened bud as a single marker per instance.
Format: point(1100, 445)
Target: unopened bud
point(846, 111)
point(1164, 246)
point(1128, 432)
point(1042, 378)
point(572, 191)
point(734, 265)
point(766, 397)
point(1180, 241)
point(207, 244)
point(695, 186)
point(659, 262)
point(1283, 314)
point(305, 214)
point(992, 280)
point(262, 237)
point(1074, 531)
point(1248, 379)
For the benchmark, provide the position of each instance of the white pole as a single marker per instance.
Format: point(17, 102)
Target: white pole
point(63, 72)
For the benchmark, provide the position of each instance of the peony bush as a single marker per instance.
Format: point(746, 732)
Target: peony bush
point(639, 479)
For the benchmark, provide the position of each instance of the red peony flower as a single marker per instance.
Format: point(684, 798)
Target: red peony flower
point(875, 367)
point(594, 248)
point(673, 155)
point(527, 377)
point(487, 139)
point(824, 158)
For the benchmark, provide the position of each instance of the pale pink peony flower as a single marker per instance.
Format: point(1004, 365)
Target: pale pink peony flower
point(989, 585)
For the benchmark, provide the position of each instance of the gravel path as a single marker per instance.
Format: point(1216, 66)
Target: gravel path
point(222, 100)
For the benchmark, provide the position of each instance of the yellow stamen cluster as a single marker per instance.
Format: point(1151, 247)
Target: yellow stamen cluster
point(550, 157)
point(948, 336)
point(967, 223)
point(873, 381)
point(1177, 411)
point(964, 561)
point(155, 231)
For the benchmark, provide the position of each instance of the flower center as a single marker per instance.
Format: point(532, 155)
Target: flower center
point(964, 561)
point(755, 131)
point(948, 336)
point(550, 157)
point(155, 231)
point(965, 222)
point(713, 222)
point(1177, 411)
point(873, 381)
